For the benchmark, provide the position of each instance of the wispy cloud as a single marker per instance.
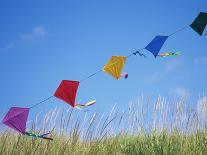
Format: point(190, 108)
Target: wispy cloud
point(168, 67)
point(180, 91)
point(38, 32)
point(8, 46)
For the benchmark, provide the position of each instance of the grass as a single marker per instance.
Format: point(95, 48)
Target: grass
point(152, 128)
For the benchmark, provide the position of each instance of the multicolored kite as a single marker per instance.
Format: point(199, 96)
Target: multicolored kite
point(156, 44)
point(199, 23)
point(169, 54)
point(114, 66)
point(67, 91)
point(16, 118)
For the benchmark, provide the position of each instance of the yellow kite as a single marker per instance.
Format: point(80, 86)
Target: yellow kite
point(114, 66)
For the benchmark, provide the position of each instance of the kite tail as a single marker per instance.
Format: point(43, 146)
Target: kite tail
point(140, 54)
point(163, 55)
point(85, 105)
point(48, 138)
point(35, 136)
point(125, 75)
point(46, 134)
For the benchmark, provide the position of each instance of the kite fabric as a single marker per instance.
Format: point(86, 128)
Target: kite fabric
point(85, 105)
point(114, 66)
point(67, 91)
point(16, 119)
point(156, 44)
point(163, 55)
point(199, 23)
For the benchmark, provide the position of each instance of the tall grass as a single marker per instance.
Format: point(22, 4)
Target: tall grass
point(145, 127)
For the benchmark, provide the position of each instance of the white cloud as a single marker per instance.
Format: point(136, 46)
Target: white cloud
point(37, 32)
point(180, 91)
point(169, 67)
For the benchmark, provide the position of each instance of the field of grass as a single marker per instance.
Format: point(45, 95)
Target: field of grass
point(145, 127)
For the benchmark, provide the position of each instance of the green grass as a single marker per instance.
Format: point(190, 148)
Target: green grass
point(170, 130)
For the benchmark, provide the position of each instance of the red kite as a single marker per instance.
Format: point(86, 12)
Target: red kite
point(67, 91)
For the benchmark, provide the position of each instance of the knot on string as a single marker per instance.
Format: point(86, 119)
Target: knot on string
point(140, 54)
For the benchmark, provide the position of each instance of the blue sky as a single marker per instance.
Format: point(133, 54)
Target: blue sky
point(43, 42)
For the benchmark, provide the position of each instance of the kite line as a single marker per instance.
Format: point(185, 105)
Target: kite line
point(41, 102)
point(149, 47)
point(67, 89)
point(91, 75)
point(179, 30)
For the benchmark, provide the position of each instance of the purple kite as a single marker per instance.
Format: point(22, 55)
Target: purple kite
point(16, 119)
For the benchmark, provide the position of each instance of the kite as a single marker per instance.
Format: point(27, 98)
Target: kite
point(16, 118)
point(199, 23)
point(156, 44)
point(169, 54)
point(67, 91)
point(114, 66)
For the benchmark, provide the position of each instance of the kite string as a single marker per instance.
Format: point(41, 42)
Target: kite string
point(137, 52)
point(53, 96)
point(134, 53)
point(41, 102)
point(90, 75)
point(181, 29)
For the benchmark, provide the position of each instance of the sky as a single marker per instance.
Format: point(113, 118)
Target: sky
point(44, 42)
